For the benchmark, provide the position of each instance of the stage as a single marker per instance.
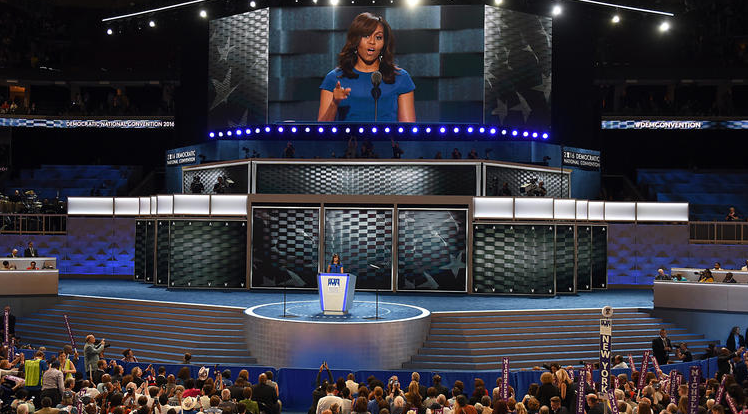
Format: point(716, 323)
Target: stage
point(433, 302)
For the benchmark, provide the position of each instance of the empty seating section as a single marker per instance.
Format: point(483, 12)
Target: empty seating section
point(74, 180)
point(709, 193)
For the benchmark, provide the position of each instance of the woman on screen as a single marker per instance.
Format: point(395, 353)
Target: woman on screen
point(335, 266)
point(347, 91)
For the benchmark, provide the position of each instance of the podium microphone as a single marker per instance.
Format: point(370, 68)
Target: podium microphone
point(376, 79)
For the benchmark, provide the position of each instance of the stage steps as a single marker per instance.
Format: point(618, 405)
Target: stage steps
point(478, 340)
point(156, 331)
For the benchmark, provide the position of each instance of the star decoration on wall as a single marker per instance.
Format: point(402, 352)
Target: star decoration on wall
point(223, 90)
point(544, 87)
point(501, 110)
point(522, 106)
point(455, 264)
point(223, 52)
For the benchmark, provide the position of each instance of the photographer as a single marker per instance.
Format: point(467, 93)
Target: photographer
point(92, 353)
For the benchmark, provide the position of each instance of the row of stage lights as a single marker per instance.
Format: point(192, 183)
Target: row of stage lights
point(556, 11)
point(414, 130)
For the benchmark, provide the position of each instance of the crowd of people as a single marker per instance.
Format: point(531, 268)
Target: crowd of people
point(54, 385)
point(704, 276)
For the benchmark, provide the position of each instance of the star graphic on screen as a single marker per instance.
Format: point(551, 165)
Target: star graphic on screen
point(430, 283)
point(295, 279)
point(544, 87)
point(242, 121)
point(501, 110)
point(522, 106)
point(455, 264)
point(408, 284)
point(223, 52)
point(223, 89)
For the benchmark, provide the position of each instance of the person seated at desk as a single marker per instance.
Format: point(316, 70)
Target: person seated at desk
point(32, 266)
point(745, 268)
point(706, 276)
point(678, 278)
point(729, 278)
point(8, 266)
point(717, 266)
point(14, 253)
point(661, 275)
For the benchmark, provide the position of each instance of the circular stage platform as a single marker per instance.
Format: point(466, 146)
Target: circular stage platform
point(306, 337)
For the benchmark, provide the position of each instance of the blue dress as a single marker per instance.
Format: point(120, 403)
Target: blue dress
point(335, 268)
point(359, 106)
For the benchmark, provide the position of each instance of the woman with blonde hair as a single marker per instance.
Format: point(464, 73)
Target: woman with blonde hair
point(565, 388)
point(520, 408)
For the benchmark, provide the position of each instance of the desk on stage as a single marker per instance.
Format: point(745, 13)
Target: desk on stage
point(692, 274)
point(336, 292)
point(30, 282)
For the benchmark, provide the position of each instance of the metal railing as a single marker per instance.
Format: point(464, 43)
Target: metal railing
point(718, 232)
point(33, 224)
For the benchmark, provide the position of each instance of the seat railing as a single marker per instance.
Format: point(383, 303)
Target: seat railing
point(718, 232)
point(33, 224)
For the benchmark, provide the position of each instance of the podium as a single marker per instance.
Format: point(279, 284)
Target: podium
point(336, 292)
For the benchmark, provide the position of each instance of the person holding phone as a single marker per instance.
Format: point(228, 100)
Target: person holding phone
point(347, 91)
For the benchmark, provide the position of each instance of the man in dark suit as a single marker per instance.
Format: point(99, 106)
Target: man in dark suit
point(556, 407)
point(594, 403)
point(14, 253)
point(30, 251)
point(265, 396)
point(724, 362)
point(735, 340)
point(661, 347)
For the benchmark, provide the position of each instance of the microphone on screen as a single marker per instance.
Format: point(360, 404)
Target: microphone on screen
point(376, 79)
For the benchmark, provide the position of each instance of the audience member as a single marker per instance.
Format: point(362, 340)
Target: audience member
point(661, 274)
point(30, 251)
point(729, 278)
point(732, 215)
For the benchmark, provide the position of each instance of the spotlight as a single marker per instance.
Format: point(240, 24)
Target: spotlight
point(248, 131)
point(616, 19)
point(280, 129)
point(514, 133)
point(534, 134)
point(470, 130)
point(361, 130)
point(497, 2)
point(664, 27)
point(267, 129)
point(220, 134)
point(307, 129)
point(203, 13)
point(347, 130)
point(257, 130)
point(456, 130)
point(557, 10)
point(252, 4)
point(151, 24)
point(334, 130)
point(545, 135)
point(387, 130)
point(212, 134)
point(412, 3)
point(334, 2)
point(109, 31)
point(442, 130)
point(400, 130)
point(482, 130)
point(415, 130)
point(428, 130)
point(228, 133)
point(503, 132)
point(238, 132)
point(493, 131)
point(525, 134)
point(293, 130)
point(373, 130)
point(320, 130)
point(314, 1)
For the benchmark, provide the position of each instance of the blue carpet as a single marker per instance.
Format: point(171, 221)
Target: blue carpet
point(125, 289)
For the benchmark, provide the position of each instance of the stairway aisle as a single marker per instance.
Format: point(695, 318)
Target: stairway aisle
point(156, 331)
point(479, 340)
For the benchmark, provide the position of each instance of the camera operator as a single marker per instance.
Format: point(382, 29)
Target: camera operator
point(92, 353)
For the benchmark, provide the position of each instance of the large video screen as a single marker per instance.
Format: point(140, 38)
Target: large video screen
point(466, 64)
